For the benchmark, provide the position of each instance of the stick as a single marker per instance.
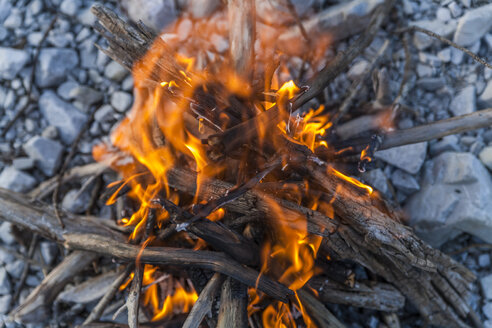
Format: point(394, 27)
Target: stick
point(204, 303)
point(318, 312)
point(242, 21)
point(233, 305)
point(133, 300)
point(34, 307)
point(98, 310)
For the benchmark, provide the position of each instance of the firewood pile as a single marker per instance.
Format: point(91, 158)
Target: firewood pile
point(236, 202)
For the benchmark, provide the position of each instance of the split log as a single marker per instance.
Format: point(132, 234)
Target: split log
point(233, 305)
point(370, 295)
point(204, 303)
point(36, 305)
point(87, 233)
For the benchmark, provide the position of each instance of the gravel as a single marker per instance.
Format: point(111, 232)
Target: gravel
point(54, 66)
point(16, 180)
point(464, 102)
point(45, 152)
point(12, 61)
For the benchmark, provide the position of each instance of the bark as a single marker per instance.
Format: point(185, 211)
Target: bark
point(233, 305)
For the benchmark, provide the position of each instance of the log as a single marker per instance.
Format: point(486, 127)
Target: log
point(36, 305)
point(370, 295)
point(87, 233)
point(233, 305)
point(318, 312)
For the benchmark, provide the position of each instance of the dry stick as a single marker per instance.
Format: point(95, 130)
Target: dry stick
point(233, 305)
point(317, 311)
point(133, 300)
point(474, 56)
point(234, 137)
point(67, 161)
point(358, 85)
point(98, 310)
point(25, 271)
point(204, 303)
point(31, 79)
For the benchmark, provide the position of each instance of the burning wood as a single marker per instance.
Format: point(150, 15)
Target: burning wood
point(230, 173)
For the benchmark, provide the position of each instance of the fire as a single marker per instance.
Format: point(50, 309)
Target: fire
point(352, 180)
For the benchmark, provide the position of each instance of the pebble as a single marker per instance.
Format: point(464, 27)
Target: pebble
point(5, 285)
point(69, 7)
point(6, 235)
point(54, 65)
point(408, 158)
point(156, 14)
point(6, 257)
point(115, 71)
point(357, 70)
point(486, 284)
point(445, 55)
point(448, 143)
point(443, 14)
point(23, 163)
point(486, 157)
point(202, 8)
point(377, 179)
point(50, 132)
point(484, 260)
point(219, 42)
point(485, 99)
point(65, 117)
point(14, 21)
point(104, 114)
point(404, 182)
point(431, 83)
point(464, 102)
point(15, 268)
point(11, 62)
point(5, 302)
point(422, 41)
point(16, 180)
point(5, 8)
point(45, 152)
point(121, 101)
point(487, 309)
point(76, 202)
point(473, 25)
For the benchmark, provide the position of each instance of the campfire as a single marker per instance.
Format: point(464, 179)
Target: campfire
point(238, 205)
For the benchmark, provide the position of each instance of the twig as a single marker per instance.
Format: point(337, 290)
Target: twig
point(474, 56)
point(204, 303)
point(323, 317)
point(31, 79)
point(133, 300)
point(98, 310)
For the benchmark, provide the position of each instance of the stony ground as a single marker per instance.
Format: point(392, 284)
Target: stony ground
point(445, 185)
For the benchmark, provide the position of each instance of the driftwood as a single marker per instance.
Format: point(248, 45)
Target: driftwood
point(233, 305)
point(35, 306)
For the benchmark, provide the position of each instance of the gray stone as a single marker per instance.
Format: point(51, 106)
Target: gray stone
point(65, 117)
point(50, 132)
point(448, 143)
point(404, 182)
point(184, 29)
point(23, 163)
point(86, 17)
point(115, 71)
point(424, 70)
point(5, 285)
point(85, 95)
point(357, 69)
point(104, 114)
point(408, 158)
point(431, 83)
point(454, 198)
point(485, 99)
point(15, 269)
point(75, 201)
point(154, 13)
point(6, 235)
point(445, 55)
point(5, 301)
point(486, 284)
point(456, 10)
point(487, 309)
point(69, 7)
point(14, 21)
point(46, 153)
point(32, 281)
point(377, 179)
point(65, 89)
point(219, 42)
point(5, 8)
point(35, 7)
point(464, 102)
point(6, 257)
point(11, 62)
point(202, 8)
point(121, 101)
point(473, 25)
point(443, 14)
point(16, 180)
point(54, 65)
point(486, 157)
point(423, 41)
point(484, 260)
point(49, 251)
point(127, 84)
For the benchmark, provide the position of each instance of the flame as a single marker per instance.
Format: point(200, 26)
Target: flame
point(352, 180)
point(288, 89)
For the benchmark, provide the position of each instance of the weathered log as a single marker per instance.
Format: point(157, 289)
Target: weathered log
point(233, 305)
point(36, 305)
point(371, 295)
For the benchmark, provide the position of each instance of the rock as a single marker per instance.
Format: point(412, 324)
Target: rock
point(85, 95)
point(6, 257)
point(65, 117)
point(115, 71)
point(473, 25)
point(65, 89)
point(486, 284)
point(219, 42)
point(5, 301)
point(357, 70)
point(404, 182)
point(49, 251)
point(76, 202)
point(485, 99)
point(377, 179)
point(339, 22)
point(184, 29)
point(12, 61)
point(45, 152)
point(484, 260)
point(50, 132)
point(486, 157)
point(6, 235)
point(69, 7)
point(15, 180)
point(464, 102)
point(454, 198)
point(409, 158)
point(202, 8)
point(443, 14)
point(445, 55)
point(431, 83)
point(54, 65)
point(5, 285)
point(487, 309)
point(156, 14)
point(121, 101)
point(15, 269)
point(448, 143)
point(104, 114)
point(423, 41)
point(5, 8)
point(23, 163)
point(14, 21)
